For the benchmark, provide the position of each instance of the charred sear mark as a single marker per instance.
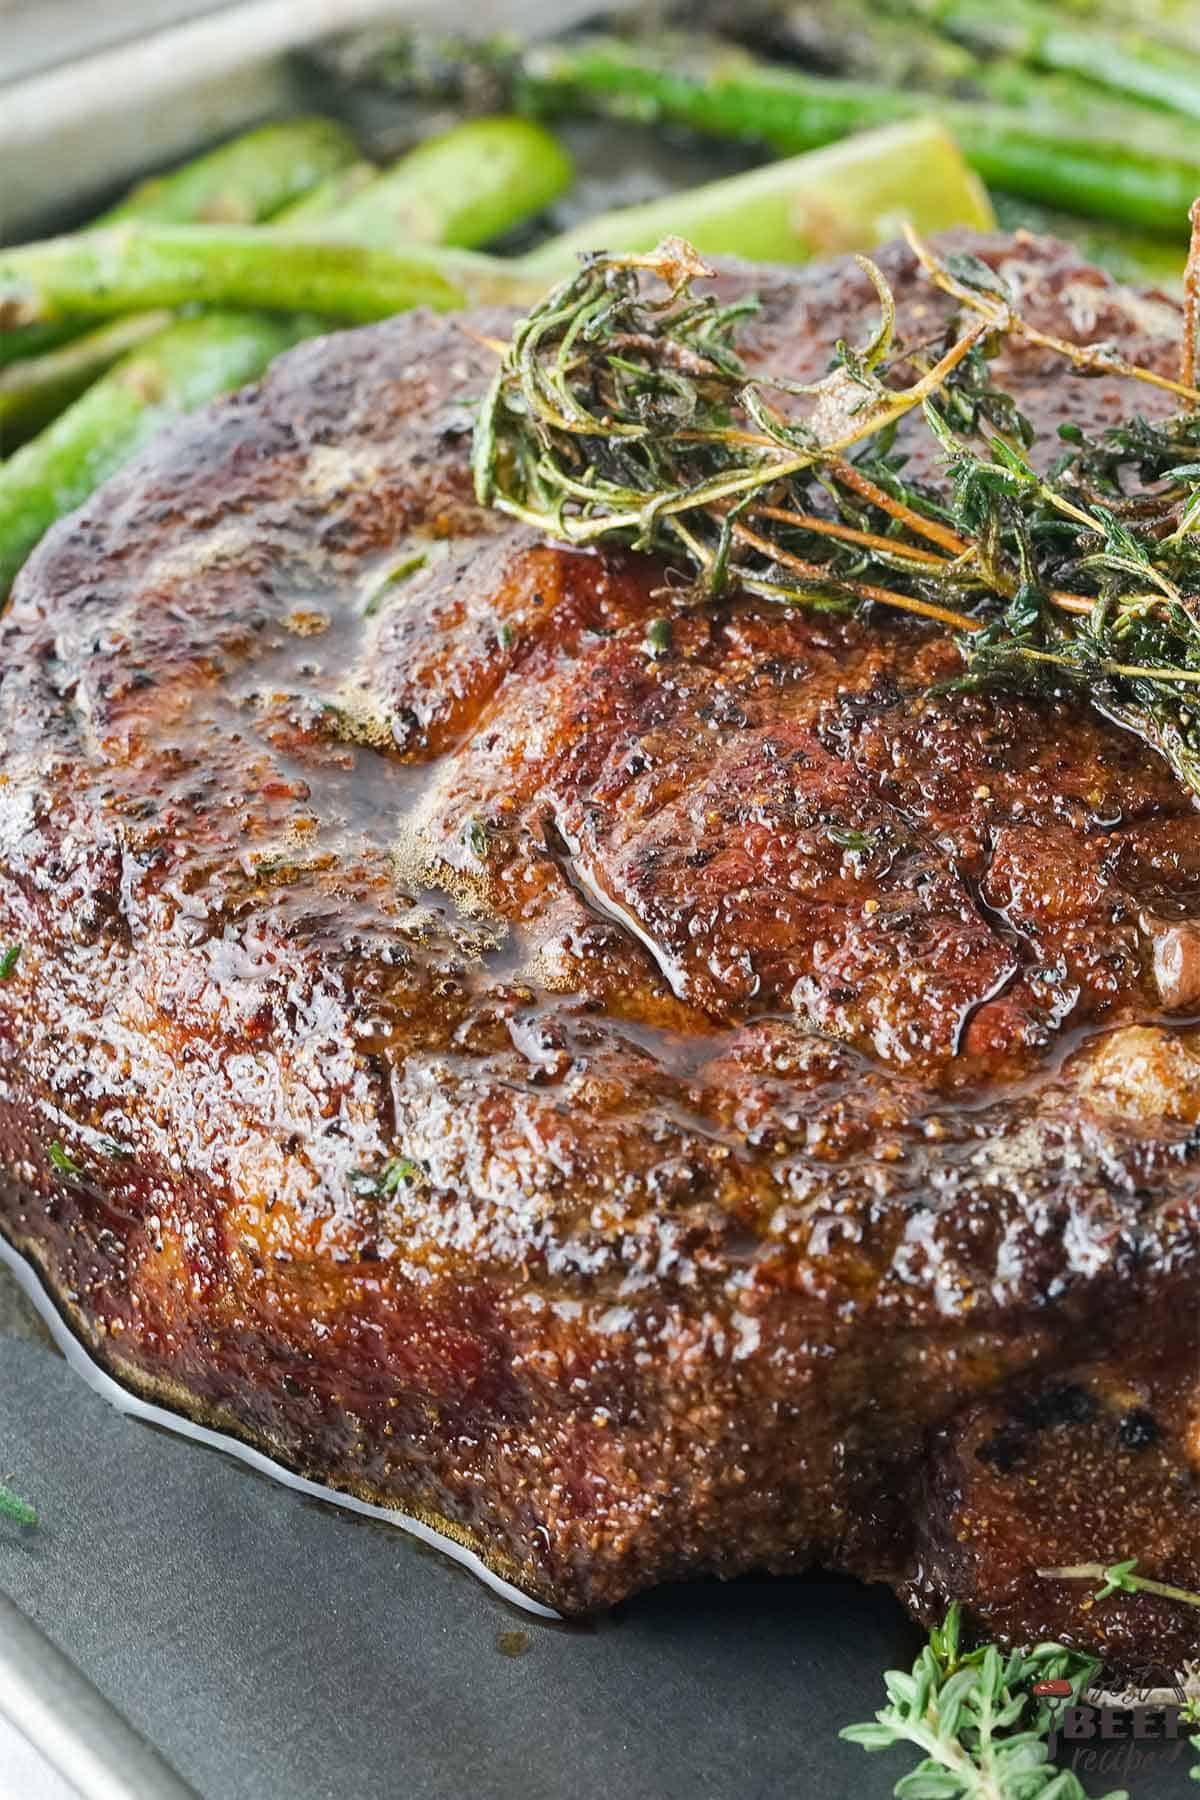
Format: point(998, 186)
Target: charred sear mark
point(1062, 1404)
point(1138, 1429)
point(1005, 1450)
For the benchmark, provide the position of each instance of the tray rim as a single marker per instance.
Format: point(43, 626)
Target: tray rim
point(148, 97)
point(66, 1718)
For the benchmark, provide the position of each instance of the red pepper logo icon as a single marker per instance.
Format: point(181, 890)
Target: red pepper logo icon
point(1057, 1690)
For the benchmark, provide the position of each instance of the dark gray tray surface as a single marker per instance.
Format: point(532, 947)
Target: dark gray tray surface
point(272, 1646)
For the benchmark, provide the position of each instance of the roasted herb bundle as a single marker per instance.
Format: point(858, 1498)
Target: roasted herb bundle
point(622, 411)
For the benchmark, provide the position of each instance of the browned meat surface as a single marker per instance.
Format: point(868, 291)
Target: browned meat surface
point(1085, 1466)
point(453, 1046)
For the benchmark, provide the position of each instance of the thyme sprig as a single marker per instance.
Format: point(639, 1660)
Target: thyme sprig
point(1191, 1716)
point(621, 410)
point(974, 1714)
point(1121, 1578)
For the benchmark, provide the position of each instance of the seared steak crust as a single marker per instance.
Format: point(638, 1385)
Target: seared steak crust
point(453, 1046)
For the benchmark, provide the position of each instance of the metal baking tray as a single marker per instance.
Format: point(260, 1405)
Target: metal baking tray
point(179, 1624)
point(93, 92)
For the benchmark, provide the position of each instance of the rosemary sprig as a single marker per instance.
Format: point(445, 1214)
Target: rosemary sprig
point(621, 410)
point(975, 1716)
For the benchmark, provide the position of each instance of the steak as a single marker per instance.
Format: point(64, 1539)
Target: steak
point(646, 1107)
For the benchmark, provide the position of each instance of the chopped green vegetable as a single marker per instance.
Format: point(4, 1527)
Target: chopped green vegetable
point(459, 188)
point(36, 390)
point(395, 1173)
point(328, 199)
point(658, 636)
point(728, 94)
point(466, 186)
point(1191, 1716)
point(856, 37)
point(1119, 1578)
point(1129, 62)
point(253, 177)
point(859, 843)
point(28, 341)
point(395, 578)
point(60, 1160)
point(9, 960)
point(124, 268)
point(14, 1508)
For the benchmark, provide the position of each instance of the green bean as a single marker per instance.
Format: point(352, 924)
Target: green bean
point(174, 371)
point(34, 391)
point(251, 177)
point(126, 268)
point(467, 186)
point(1126, 60)
point(847, 196)
point(732, 95)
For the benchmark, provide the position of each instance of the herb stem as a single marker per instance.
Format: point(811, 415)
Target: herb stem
point(1081, 605)
point(732, 487)
point(1191, 301)
point(1120, 1577)
point(1003, 317)
point(978, 1718)
point(825, 576)
point(1131, 670)
point(871, 540)
point(917, 523)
